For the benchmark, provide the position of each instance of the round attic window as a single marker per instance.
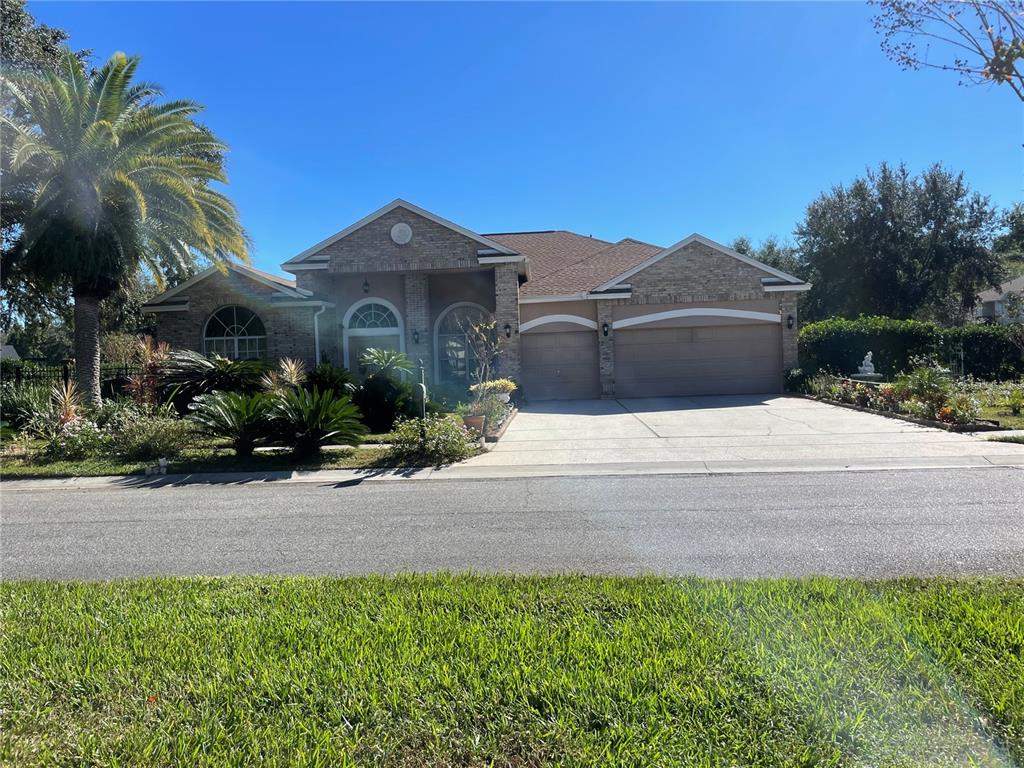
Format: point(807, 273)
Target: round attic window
point(401, 233)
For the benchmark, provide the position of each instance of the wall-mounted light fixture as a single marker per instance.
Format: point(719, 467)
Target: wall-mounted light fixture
point(790, 321)
point(415, 337)
point(508, 331)
point(604, 328)
point(366, 286)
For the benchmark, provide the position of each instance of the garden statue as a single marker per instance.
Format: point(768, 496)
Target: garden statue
point(866, 371)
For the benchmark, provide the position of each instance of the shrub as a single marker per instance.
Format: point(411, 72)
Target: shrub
point(242, 419)
point(113, 415)
point(151, 438)
point(1013, 398)
point(927, 385)
point(19, 405)
point(382, 401)
point(290, 373)
point(386, 362)
point(839, 344)
point(796, 380)
point(330, 378)
point(445, 441)
point(989, 351)
point(72, 441)
point(963, 407)
point(494, 387)
point(307, 420)
point(493, 410)
point(187, 374)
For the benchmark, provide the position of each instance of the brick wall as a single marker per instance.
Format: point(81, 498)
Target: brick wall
point(506, 311)
point(289, 329)
point(697, 273)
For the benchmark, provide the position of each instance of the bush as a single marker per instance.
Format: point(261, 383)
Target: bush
point(186, 375)
point(446, 441)
point(72, 441)
point(330, 378)
point(927, 385)
point(839, 345)
point(494, 387)
point(307, 420)
point(19, 405)
point(796, 380)
point(382, 401)
point(151, 438)
point(242, 419)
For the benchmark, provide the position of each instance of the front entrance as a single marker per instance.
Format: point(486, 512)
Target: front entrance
point(370, 323)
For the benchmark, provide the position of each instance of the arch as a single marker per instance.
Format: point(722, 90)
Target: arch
point(236, 332)
point(438, 333)
point(538, 321)
point(743, 314)
point(398, 329)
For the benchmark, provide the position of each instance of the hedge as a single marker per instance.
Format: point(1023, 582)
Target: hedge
point(839, 345)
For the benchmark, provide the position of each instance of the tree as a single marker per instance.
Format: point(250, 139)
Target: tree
point(899, 245)
point(116, 181)
point(980, 40)
point(1010, 244)
point(783, 256)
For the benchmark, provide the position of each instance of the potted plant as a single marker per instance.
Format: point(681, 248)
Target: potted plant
point(499, 388)
point(470, 417)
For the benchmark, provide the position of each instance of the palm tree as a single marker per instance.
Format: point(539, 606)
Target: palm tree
point(117, 182)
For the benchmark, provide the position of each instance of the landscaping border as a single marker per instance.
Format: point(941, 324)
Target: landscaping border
point(980, 426)
point(504, 426)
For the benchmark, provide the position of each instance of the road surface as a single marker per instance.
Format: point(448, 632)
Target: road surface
point(863, 524)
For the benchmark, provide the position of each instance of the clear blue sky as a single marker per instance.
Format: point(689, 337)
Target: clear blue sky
point(651, 120)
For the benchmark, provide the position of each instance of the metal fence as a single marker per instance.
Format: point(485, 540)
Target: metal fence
point(51, 373)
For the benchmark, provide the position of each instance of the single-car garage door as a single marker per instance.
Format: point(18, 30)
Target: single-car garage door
point(699, 360)
point(560, 365)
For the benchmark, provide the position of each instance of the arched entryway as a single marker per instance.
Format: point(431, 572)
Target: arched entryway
point(372, 322)
point(454, 362)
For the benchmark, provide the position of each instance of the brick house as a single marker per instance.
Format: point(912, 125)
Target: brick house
point(582, 317)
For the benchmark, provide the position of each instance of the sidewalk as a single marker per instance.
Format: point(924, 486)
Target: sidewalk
point(461, 472)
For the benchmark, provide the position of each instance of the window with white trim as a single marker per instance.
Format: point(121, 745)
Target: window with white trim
point(235, 332)
point(373, 316)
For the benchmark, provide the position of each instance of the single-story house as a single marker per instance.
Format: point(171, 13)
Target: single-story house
point(993, 305)
point(582, 317)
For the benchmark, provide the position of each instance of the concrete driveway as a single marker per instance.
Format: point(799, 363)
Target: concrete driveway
point(742, 431)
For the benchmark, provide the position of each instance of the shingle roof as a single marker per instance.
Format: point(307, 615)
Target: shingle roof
point(563, 263)
point(1016, 285)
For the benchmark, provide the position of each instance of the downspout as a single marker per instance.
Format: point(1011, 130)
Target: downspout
point(316, 334)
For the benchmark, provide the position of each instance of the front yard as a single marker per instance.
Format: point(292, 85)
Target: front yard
point(511, 671)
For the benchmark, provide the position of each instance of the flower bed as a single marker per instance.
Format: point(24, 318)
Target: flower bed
point(927, 395)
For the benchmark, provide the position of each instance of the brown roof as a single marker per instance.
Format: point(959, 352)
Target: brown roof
point(563, 263)
point(1015, 286)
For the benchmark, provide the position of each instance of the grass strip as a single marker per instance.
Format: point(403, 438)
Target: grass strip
point(462, 670)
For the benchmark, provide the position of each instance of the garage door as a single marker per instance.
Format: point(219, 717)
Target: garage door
point(704, 360)
point(560, 365)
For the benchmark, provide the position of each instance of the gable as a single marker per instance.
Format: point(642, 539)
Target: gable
point(368, 244)
point(234, 279)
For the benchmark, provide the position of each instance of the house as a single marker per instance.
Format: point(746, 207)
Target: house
point(998, 305)
point(582, 317)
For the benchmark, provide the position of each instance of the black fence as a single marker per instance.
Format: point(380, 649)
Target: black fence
point(29, 372)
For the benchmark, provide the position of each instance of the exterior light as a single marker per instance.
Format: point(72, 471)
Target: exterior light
point(366, 286)
point(790, 321)
point(415, 337)
point(604, 328)
point(508, 331)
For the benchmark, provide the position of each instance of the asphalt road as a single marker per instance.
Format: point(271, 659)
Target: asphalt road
point(864, 524)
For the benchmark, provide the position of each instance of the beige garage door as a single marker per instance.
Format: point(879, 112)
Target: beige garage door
point(560, 365)
point(706, 360)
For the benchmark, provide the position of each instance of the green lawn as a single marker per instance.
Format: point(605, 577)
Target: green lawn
point(1003, 416)
point(201, 460)
point(503, 671)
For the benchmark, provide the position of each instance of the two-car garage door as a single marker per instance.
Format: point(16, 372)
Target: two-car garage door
point(699, 360)
point(742, 358)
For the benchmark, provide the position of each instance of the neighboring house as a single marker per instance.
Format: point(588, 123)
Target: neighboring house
point(996, 305)
point(8, 352)
point(582, 317)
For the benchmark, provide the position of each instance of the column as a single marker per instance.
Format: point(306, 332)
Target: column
point(506, 312)
point(417, 323)
point(790, 336)
point(606, 349)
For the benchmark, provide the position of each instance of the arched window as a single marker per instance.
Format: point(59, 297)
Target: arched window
point(373, 322)
point(235, 332)
point(456, 363)
point(373, 316)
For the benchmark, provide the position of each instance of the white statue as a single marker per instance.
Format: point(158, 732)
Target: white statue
point(867, 367)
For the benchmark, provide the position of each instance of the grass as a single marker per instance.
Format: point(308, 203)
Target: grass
point(1008, 439)
point(1003, 416)
point(206, 459)
point(511, 671)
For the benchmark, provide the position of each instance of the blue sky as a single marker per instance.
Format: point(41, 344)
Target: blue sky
point(643, 120)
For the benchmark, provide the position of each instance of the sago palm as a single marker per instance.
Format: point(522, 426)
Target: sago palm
point(117, 182)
